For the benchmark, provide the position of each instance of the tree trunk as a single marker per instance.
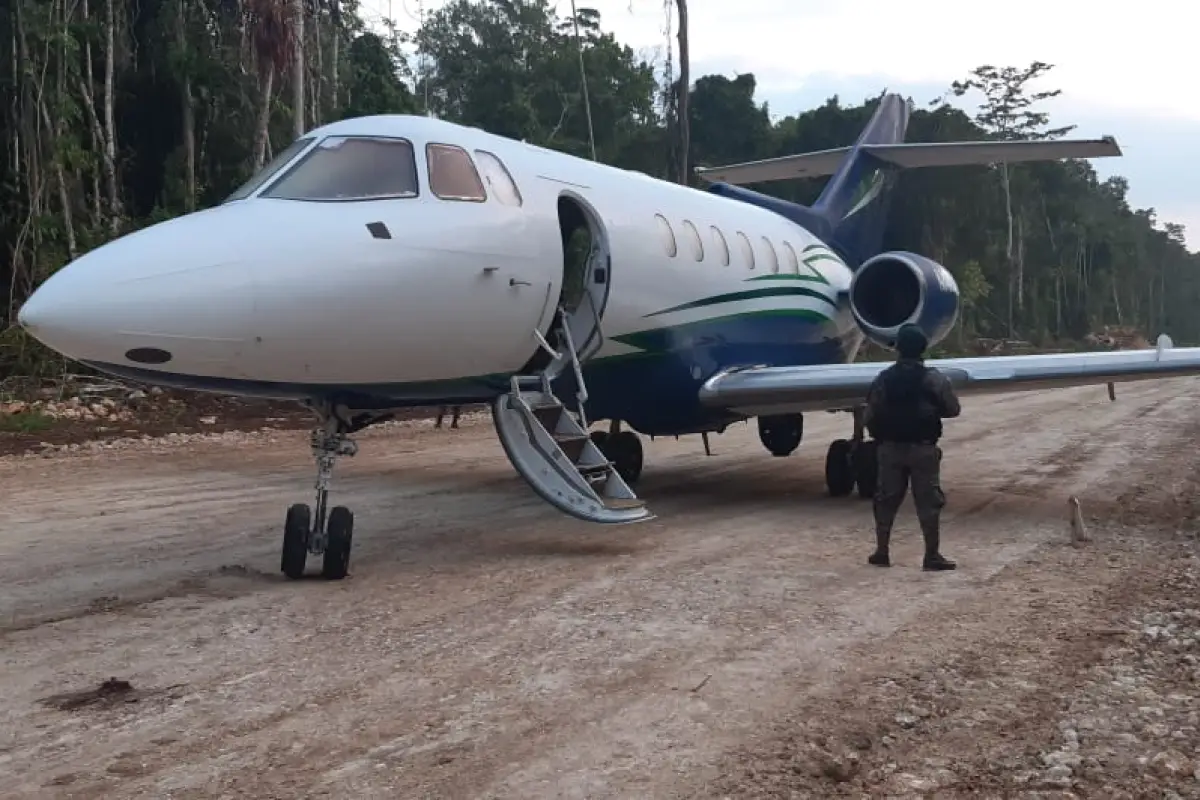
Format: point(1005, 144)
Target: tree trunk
point(1020, 264)
point(298, 69)
point(264, 118)
point(97, 143)
point(189, 114)
point(1008, 247)
point(685, 82)
point(316, 93)
point(64, 199)
point(110, 140)
point(335, 14)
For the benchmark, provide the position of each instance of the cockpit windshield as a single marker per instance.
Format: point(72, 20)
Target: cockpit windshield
point(266, 173)
point(347, 168)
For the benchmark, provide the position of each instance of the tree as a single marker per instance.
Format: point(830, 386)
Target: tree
point(1007, 113)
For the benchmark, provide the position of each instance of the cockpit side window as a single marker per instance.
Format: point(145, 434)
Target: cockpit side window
point(350, 168)
point(277, 163)
point(452, 174)
point(499, 180)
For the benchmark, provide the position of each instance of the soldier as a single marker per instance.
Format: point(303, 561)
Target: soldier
point(905, 407)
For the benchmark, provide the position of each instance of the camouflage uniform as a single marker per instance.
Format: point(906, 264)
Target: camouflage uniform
point(907, 428)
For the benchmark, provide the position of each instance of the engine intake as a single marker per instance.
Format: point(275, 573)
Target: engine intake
point(898, 287)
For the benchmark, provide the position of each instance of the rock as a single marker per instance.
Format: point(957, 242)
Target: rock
point(906, 720)
point(1171, 762)
point(1057, 777)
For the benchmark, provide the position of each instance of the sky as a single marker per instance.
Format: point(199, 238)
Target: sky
point(1121, 74)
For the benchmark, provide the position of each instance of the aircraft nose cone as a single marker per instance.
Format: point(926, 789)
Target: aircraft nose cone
point(194, 319)
point(27, 315)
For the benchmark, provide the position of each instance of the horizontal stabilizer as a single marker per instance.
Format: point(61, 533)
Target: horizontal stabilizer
point(913, 155)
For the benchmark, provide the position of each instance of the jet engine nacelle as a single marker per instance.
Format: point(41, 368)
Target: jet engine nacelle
point(893, 288)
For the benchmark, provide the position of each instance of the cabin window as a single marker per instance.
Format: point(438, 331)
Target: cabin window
point(721, 245)
point(790, 261)
point(348, 168)
point(277, 163)
point(499, 180)
point(693, 237)
point(747, 250)
point(772, 256)
point(667, 235)
point(452, 175)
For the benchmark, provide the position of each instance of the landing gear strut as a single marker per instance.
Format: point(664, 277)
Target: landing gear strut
point(623, 449)
point(324, 531)
point(852, 462)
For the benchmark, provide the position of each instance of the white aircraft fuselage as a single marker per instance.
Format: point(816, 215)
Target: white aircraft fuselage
point(301, 298)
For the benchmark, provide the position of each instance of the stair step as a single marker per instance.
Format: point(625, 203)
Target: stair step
point(548, 415)
point(572, 444)
point(622, 502)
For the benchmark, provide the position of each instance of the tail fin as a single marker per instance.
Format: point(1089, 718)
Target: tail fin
point(851, 213)
point(858, 197)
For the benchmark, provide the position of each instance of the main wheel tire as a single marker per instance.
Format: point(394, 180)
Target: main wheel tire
point(781, 435)
point(624, 449)
point(866, 468)
point(339, 536)
point(600, 439)
point(295, 541)
point(839, 469)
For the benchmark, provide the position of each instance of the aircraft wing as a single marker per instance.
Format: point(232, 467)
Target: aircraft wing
point(759, 391)
point(912, 155)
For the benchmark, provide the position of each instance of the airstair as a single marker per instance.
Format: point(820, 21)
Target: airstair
point(551, 449)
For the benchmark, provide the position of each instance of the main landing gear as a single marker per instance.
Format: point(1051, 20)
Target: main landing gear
point(852, 462)
point(320, 530)
point(623, 449)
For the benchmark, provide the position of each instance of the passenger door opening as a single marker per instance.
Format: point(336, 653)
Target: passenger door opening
point(587, 266)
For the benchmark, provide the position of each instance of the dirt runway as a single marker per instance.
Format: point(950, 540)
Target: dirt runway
point(486, 646)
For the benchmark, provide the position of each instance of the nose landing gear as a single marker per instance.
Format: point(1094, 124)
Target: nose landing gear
point(331, 534)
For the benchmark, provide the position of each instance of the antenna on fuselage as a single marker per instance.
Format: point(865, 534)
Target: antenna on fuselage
point(587, 101)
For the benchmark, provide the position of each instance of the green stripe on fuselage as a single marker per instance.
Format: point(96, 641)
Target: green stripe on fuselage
point(750, 294)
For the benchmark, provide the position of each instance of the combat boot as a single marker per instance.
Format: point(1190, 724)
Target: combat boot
point(934, 560)
point(880, 557)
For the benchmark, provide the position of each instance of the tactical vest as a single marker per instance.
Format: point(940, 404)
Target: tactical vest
point(910, 409)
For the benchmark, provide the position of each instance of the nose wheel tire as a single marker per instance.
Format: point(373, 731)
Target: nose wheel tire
point(339, 535)
point(839, 468)
point(295, 541)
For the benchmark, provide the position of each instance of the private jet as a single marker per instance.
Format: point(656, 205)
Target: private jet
point(389, 262)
